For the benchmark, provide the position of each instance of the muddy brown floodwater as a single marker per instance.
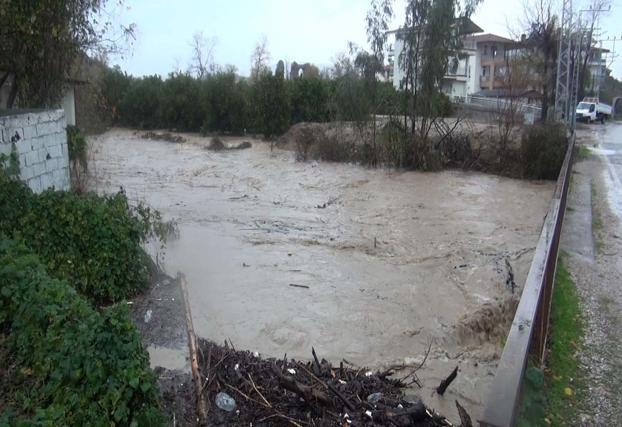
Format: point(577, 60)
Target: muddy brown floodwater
point(394, 261)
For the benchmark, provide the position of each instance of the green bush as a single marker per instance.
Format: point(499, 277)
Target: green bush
point(181, 103)
point(93, 242)
point(82, 367)
point(141, 106)
point(543, 148)
point(350, 102)
point(113, 87)
point(272, 104)
point(309, 99)
point(445, 107)
point(76, 144)
point(225, 100)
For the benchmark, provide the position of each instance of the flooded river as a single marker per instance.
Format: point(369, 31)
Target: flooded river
point(385, 263)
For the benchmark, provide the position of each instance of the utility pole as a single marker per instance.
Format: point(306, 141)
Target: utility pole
point(568, 69)
point(578, 36)
point(562, 85)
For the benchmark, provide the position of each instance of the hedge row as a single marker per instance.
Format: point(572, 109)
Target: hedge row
point(225, 102)
point(92, 242)
point(79, 366)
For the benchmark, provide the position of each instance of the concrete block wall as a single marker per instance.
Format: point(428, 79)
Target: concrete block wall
point(40, 139)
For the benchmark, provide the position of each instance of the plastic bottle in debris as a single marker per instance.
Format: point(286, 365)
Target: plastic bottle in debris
point(374, 398)
point(225, 402)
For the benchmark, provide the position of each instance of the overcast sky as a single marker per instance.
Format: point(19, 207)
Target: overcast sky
point(303, 31)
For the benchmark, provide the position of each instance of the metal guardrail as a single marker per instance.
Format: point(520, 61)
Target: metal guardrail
point(530, 326)
point(496, 104)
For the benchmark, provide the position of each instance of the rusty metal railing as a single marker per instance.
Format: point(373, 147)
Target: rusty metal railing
point(529, 330)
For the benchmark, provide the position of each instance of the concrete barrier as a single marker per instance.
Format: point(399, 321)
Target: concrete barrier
point(530, 327)
point(39, 138)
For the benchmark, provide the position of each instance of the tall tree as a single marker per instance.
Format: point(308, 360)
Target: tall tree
point(378, 18)
point(541, 45)
point(260, 58)
point(596, 9)
point(272, 104)
point(40, 42)
point(202, 64)
point(430, 35)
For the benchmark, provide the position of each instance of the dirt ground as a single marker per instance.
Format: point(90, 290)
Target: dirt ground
point(592, 239)
point(385, 262)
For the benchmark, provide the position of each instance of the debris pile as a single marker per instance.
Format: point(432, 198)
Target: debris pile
point(240, 388)
point(217, 144)
point(164, 136)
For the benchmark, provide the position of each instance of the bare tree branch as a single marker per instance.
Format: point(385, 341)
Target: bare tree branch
point(202, 64)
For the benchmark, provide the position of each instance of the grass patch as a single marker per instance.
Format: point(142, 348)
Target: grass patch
point(597, 222)
point(552, 396)
point(583, 152)
point(564, 379)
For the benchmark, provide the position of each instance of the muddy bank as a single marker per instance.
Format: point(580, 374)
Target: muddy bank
point(159, 315)
point(392, 260)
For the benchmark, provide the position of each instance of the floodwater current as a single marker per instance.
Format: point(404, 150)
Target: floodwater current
point(370, 265)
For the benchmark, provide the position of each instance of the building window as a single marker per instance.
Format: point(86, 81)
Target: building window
point(493, 51)
point(485, 49)
point(485, 70)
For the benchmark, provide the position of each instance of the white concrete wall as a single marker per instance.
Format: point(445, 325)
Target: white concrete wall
point(398, 73)
point(40, 139)
point(473, 74)
point(68, 104)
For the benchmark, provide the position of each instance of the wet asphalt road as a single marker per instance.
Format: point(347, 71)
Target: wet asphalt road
point(608, 140)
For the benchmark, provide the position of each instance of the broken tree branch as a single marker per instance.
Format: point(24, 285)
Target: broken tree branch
point(465, 419)
point(306, 392)
point(445, 383)
point(192, 347)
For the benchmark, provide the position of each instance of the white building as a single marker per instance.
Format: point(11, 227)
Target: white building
point(461, 77)
point(491, 60)
point(597, 66)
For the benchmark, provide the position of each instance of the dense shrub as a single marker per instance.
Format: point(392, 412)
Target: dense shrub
point(78, 159)
point(444, 105)
point(142, 105)
point(225, 102)
point(114, 85)
point(350, 102)
point(181, 107)
point(543, 148)
point(309, 100)
point(93, 242)
point(82, 367)
point(76, 144)
point(272, 104)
